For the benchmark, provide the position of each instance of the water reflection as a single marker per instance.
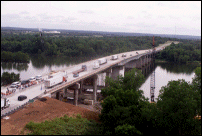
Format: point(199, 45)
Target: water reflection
point(177, 68)
point(39, 62)
point(165, 72)
point(18, 66)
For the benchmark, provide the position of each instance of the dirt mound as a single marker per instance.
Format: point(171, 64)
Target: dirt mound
point(41, 110)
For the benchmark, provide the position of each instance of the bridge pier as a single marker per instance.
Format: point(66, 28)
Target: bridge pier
point(95, 77)
point(117, 71)
point(76, 90)
point(81, 87)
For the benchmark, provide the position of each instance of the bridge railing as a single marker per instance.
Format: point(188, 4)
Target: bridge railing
point(10, 110)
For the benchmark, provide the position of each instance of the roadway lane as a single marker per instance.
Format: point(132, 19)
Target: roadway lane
point(35, 90)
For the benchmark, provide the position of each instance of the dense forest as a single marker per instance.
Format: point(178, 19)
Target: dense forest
point(184, 52)
point(16, 47)
point(75, 46)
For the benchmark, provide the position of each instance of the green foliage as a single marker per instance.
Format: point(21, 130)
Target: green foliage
point(126, 130)
point(177, 108)
point(188, 51)
point(65, 126)
point(8, 78)
point(14, 57)
point(123, 103)
point(196, 83)
point(75, 46)
point(126, 111)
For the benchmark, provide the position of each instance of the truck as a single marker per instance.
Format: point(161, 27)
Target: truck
point(52, 74)
point(48, 83)
point(102, 61)
point(5, 103)
point(114, 57)
point(83, 68)
point(96, 65)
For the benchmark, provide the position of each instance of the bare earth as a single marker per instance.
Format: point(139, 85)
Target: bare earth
point(39, 111)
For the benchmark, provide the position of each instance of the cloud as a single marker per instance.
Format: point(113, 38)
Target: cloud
point(130, 17)
point(24, 12)
point(86, 11)
point(11, 16)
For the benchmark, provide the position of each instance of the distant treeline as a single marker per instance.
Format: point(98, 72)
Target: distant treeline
point(75, 46)
point(187, 50)
point(184, 52)
point(20, 57)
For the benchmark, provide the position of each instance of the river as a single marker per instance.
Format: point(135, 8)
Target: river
point(164, 72)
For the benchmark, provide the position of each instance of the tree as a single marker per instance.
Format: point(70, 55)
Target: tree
point(177, 109)
point(123, 103)
point(8, 78)
point(196, 83)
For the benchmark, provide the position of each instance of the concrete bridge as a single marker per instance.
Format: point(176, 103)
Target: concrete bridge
point(94, 79)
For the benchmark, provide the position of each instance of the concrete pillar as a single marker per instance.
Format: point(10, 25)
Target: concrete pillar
point(116, 71)
point(108, 72)
point(95, 88)
point(65, 92)
point(76, 97)
point(81, 87)
point(122, 70)
point(57, 95)
point(76, 92)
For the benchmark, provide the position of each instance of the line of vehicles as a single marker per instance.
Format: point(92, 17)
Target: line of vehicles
point(102, 61)
point(21, 85)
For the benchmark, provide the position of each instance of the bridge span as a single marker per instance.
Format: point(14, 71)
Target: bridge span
point(89, 79)
point(113, 68)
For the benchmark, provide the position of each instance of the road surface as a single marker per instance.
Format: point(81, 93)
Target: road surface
point(38, 89)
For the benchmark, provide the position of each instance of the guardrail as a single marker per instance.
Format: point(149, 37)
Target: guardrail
point(8, 111)
point(59, 87)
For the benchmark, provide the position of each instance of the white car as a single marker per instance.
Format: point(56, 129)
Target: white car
point(38, 77)
point(32, 79)
point(16, 83)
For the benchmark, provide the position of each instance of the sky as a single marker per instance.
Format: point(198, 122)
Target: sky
point(153, 17)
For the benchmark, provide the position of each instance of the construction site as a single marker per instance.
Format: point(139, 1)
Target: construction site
point(42, 109)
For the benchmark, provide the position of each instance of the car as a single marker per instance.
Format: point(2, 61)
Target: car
point(76, 75)
point(16, 83)
point(13, 86)
point(32, 79)
point(38, 77)
point(22, 97)
point(123, 55)
point(24, 82)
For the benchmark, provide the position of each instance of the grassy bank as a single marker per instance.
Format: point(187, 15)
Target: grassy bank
point(64, 126)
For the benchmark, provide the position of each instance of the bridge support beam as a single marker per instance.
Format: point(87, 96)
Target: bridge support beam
point(108, 74)
point(81, 87)
point(95, 88)
point(76, 93)
point(117, 71)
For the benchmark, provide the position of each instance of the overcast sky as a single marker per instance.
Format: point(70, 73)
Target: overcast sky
point(155, 17)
